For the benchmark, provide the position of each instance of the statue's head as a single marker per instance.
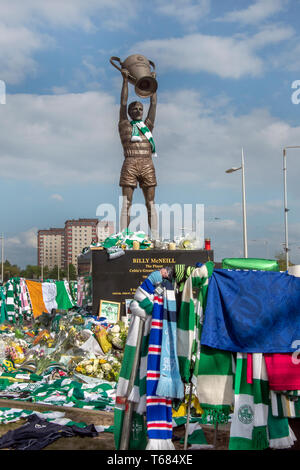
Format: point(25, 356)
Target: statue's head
point(135, 110)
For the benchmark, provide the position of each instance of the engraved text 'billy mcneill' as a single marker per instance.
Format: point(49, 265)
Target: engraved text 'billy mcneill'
point(154, 260)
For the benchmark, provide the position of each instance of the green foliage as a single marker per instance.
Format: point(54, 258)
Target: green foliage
point(31, 272)
point(72, 272)
point(10, 270)
point(280, 257)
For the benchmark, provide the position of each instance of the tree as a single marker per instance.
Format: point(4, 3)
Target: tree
point(10, 270)
point(280, 257)
point(72, 272)
point(31, 272)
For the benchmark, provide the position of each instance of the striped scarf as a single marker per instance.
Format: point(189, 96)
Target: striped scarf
point(170, 383)
point(73, 289)
point(182, 273)
point(159, 409)
point(135, 137)
point(61, 392)
point(189, 322)
point(253, 427)
point(10, 303)
point(141, 309)
point(3, 316)
point(80, 291)
point(25, 301)
point(210, 370)
point(285, 404)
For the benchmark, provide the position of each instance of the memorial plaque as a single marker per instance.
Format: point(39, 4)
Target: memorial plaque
point(117, 279)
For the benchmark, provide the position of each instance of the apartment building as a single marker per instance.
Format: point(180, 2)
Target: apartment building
point(51, 247)
point(78, 235)
point(61, 246)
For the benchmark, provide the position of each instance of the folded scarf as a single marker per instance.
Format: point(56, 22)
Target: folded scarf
point(253, 426)
point(215, 384)
point(283, 372)
point(248, 429)
point(170, 384)
point(159, 409)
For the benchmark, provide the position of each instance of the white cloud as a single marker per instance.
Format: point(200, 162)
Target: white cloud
point(21, 248)
point(71, 138)
point(17, 46)
point(56, 139)
point(21, 23)
point(256, 12)
point(188, 12)
point(228, 57)
point(26, 239)
point(56, 197)
point(85, 14)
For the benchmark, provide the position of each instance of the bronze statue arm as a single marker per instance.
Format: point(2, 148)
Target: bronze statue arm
point(152, 108)
point(124, 96)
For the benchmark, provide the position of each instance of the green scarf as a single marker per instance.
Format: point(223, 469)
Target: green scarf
point(141, 307)
point(209, 370)
point(253, 426)
point(189, 321)
point(135, 137)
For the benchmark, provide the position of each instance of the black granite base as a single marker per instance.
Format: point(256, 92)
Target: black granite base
point(116, 280)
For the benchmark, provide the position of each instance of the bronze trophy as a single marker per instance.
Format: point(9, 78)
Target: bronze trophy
point(139, 73)
point(138, 149)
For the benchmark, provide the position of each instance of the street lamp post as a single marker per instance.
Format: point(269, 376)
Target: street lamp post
point(231, 170)
point(285, 204)
point(2, 258)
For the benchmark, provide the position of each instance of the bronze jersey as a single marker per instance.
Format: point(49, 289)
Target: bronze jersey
point(134, 149)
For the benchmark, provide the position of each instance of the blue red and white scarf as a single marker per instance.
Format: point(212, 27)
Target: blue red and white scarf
point(159, 409)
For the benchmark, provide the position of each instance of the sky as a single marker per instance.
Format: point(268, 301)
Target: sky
point(228, 78)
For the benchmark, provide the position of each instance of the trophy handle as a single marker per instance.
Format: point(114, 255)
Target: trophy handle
point(130, 77)
point(152, 63)
point(115, 65)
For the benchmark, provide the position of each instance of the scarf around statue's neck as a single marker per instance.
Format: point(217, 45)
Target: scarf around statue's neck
point(135, 136)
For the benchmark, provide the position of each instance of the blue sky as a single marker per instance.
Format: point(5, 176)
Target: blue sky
point(225, 72)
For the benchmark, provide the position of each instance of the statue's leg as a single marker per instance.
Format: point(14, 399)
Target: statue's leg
point(127, 193)
point(149, 195)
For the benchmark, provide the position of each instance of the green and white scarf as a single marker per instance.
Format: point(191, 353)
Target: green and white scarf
point(196, 437)
point(210, 370)
point(140, 308)
point(189, 322)
point(253, 427)
point(67, 392)
point(285, 404)
point(135, 136)
point(10, 301)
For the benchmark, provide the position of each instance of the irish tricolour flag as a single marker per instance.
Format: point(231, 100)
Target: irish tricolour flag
point(45, 296)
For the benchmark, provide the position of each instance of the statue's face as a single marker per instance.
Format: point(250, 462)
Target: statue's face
point(135, 111)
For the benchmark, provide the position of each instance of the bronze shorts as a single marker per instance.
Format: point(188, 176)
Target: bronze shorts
point(138, 169)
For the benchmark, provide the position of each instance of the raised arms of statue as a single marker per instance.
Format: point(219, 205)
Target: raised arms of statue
point(124, 96)
point(124, 99)
point(152, 108)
